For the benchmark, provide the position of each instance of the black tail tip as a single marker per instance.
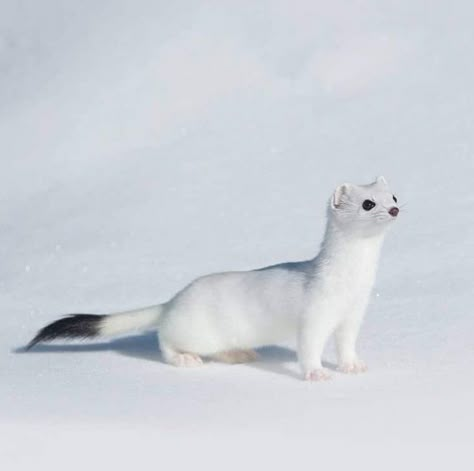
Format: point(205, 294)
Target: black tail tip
point(74, 326)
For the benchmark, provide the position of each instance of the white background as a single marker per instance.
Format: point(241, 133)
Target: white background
point(145, 143)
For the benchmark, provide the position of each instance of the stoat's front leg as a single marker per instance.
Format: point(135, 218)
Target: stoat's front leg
point(317, 324)
point(346, 337)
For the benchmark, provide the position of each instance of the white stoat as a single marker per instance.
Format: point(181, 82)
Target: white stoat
point(224, 316)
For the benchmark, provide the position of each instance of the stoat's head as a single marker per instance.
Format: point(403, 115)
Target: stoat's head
point(364, 209)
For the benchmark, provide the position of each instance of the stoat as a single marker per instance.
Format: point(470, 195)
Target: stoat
point(225, 316)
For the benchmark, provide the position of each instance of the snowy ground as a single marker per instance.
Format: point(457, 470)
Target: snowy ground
point(144, 143)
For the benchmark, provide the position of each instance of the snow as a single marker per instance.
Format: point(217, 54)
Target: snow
point(145, 143)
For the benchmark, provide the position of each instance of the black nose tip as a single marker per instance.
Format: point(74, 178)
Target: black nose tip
point(393, 211)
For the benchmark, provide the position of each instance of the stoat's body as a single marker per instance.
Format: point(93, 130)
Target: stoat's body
point(225, 316)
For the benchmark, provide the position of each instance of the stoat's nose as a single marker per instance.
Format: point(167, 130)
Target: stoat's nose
point(393, 211)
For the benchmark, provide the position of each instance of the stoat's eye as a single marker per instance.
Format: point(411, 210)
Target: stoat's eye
point(368, 205)
point(395, 199)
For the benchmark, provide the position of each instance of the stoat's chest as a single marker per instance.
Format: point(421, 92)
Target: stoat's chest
point(349, 272)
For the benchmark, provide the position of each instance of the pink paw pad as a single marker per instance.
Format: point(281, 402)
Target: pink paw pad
point(319, 374)
point(354, 367)
point(187, 360)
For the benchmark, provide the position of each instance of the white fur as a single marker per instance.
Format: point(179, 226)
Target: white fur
point(138, 319)
point(236, 311)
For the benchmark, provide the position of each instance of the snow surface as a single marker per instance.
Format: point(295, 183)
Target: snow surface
point(144, 143)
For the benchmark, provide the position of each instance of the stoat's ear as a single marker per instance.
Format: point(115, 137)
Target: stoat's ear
point(381, 180)
point(338, 194)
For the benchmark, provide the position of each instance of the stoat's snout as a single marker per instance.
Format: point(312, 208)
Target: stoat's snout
point(393, 212)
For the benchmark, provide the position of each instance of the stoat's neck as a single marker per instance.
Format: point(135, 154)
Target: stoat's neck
point(342, 248)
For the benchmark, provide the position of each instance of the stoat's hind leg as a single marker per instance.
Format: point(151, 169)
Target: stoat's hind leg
point(185, 359)
point(235, 356)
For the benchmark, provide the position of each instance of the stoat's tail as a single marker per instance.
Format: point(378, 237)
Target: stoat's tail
point(82, 326)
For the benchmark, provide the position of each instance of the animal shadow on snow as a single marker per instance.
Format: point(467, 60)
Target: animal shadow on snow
point(273, 359)
point(143, 346)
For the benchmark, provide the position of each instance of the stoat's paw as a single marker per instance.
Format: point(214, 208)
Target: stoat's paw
point(236, 356)
point(353, 367)
point(187, 360)
point(246, 356)
point(319, 374)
